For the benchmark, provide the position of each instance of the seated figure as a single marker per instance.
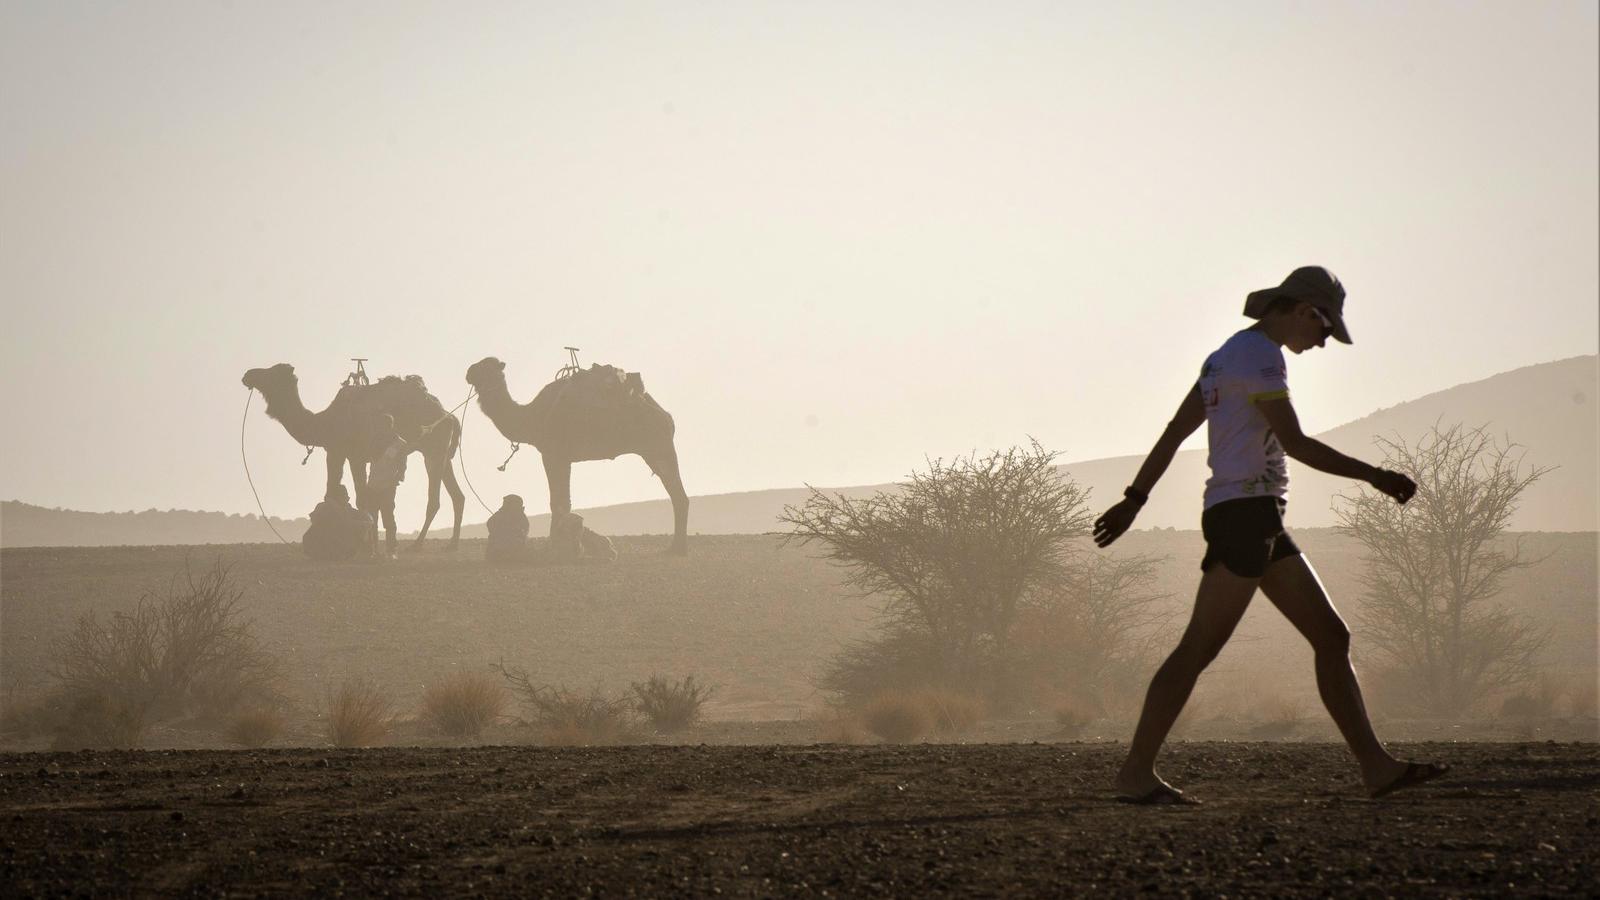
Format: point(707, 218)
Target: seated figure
point(508, 531)
point(572, 541)
point(338, 530)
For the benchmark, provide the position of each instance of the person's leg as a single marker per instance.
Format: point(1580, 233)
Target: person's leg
point(1293, 587)
point(1220, 602)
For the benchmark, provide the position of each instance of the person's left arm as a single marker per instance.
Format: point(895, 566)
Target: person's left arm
point(1285, 424)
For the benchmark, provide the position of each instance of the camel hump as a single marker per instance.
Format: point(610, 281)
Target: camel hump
point(612, 378)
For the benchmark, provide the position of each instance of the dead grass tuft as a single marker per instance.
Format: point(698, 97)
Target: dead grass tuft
point(566, 718)
point(840, 728)
point(1278, 717)
point(1583, 698)
point(99, 720)
point(1538, 700)
point(897, 717)
point(463, 704)
point(670, 706)
point(255, 727)
point(952, 711)
point(360, 714)
point(1072, 717)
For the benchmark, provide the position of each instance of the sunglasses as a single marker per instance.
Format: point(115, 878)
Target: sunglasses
point(1327, 323)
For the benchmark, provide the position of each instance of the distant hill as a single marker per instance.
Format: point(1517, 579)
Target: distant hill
point(1549, 409)
point(26, 525)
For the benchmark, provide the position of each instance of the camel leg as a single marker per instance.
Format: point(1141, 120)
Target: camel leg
point(434, 477)
point(665, 464)
point(458, 499)
point(558, 472)
point(358, 477)
point(335, 473)
point(390, 539)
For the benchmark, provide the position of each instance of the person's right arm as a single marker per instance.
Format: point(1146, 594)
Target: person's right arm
point(1191, 415)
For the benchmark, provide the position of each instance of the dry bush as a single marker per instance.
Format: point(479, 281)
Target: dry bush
point(360, 714)
point(188, 651)
point(566, 718)
point(255, 727)
point(1277, 717)
point(1072, 717)
point(952, 556)
point(463, 704)
point(670, 706)
point(897, 717)
point(1435, 567)
point(951, 711)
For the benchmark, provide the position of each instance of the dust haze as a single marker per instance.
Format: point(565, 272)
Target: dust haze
point(688, 428)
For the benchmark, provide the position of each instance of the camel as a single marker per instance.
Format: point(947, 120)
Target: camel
point(598, 413)
point(363, 422)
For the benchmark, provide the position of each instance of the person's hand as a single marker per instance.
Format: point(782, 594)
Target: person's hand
point(1116, 520)
point(1395, 484)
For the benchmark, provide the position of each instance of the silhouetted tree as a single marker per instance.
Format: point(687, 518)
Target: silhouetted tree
point(1096, 632)
point(1435, 564)
point(953, 554)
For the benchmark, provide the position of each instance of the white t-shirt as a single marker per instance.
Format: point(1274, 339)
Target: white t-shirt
point(1246, 459)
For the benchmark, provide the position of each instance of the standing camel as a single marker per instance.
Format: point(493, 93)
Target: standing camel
point(597, 413)
point(356, 428)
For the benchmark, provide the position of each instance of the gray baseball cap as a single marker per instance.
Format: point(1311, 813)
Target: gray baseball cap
point(1313, 284)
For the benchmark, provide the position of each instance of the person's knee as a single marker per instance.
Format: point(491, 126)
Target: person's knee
point(1194, 654)
point(1333, 641)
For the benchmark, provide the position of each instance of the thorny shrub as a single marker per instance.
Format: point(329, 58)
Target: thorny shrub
point(670, 706)
point(360, 714)
point(566, 718)
point(981, 583)
point(463, 704)
point(188, 651)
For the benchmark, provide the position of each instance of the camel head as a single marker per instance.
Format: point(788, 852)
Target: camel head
point(389, 467)
point(486, 372)
point(273, 381)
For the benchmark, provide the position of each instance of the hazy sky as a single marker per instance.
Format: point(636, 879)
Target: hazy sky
point(835, 237)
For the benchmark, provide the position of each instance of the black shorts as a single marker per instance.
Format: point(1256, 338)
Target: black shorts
point(1246, 535)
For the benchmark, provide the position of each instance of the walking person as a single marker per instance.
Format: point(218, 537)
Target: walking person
point(1242, 397)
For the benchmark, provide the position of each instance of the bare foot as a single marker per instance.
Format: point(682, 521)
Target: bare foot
point(1412, 774)
point(1142, 784)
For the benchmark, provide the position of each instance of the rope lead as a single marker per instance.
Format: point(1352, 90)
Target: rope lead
point(461, 445)
point(514, 448)
point(246, 460)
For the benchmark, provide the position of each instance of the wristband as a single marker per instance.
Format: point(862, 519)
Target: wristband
point(1136, 495)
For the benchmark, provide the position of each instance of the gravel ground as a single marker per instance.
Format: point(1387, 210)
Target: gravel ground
point(969, 820)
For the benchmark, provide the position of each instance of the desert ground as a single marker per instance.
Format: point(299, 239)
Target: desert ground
point(1280, 820)
point(762, 798)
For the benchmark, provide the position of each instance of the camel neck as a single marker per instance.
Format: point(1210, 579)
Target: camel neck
point(301, 423)
point(496, 403)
